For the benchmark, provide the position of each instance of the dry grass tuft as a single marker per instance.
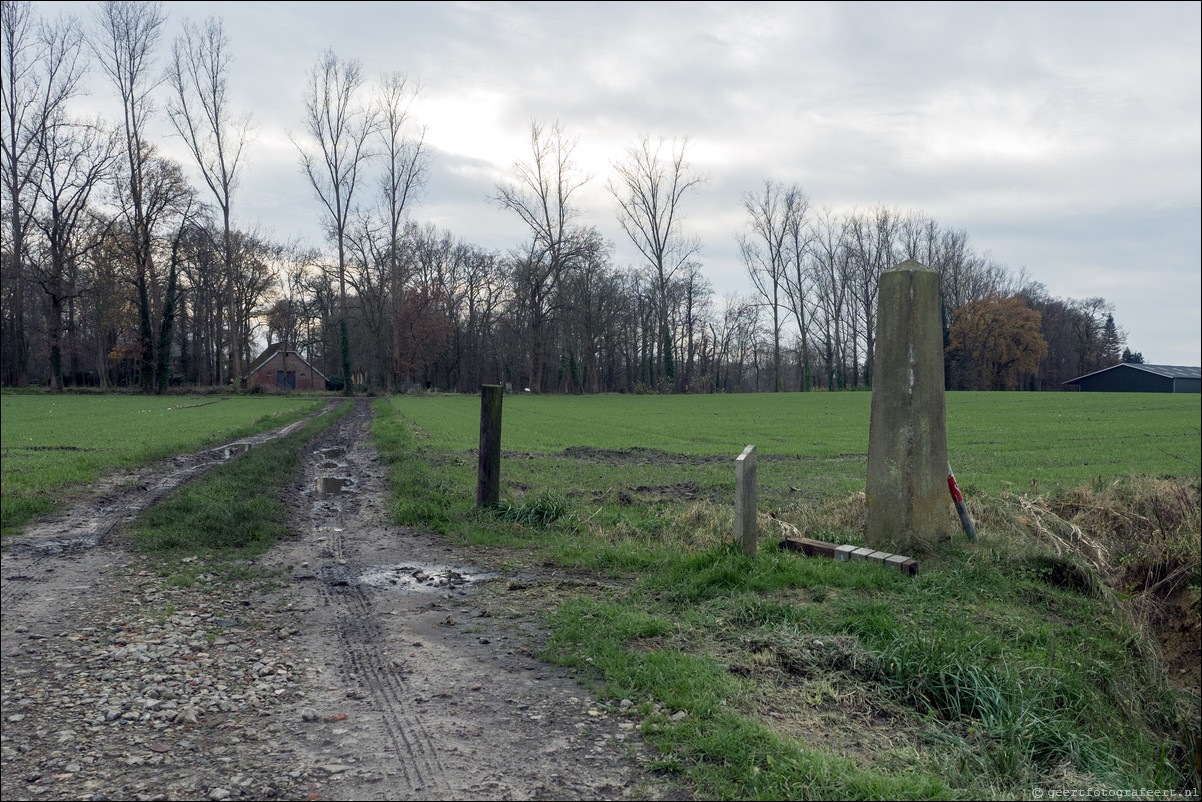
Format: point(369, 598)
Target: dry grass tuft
point(701, 525)
point(1143, 534)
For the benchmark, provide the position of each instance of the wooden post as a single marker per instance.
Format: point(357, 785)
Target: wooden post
point(488, 476)
point(745, 523)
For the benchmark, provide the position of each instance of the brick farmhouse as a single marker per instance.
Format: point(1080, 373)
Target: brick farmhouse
point(280, 369)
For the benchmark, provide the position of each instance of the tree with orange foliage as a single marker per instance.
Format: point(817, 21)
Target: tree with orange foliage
point(995, 342)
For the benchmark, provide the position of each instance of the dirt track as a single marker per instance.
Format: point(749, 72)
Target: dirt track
point(381, 665)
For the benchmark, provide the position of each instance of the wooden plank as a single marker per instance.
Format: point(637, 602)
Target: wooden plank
point(810, 547)
point(846, 553)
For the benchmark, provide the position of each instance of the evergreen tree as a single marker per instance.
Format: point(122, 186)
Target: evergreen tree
point(1132, 357)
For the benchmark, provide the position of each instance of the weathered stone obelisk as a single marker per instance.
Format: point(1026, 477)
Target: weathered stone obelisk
point(908, 502)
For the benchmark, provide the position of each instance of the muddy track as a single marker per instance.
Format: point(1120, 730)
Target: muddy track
point(335, 511)
point(443, 699)
point(380, 664)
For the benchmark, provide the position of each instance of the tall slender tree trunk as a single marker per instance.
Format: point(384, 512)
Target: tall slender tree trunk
point(777, 385)
point(343, 331)
point(217, 360)
point(145, 336)
point(536, 353)
point(163, 357)
point(394, 269)
point(235, 350)
point(21, 340)
point(54, 327)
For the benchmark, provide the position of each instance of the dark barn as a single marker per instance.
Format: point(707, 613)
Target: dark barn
point(1132, 378)
point(280, 369)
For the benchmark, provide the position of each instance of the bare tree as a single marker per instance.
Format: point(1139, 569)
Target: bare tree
point(287, 314)
point(487, 285)
point(873, 245)
point(75, 158)
point(734, 337)
point(650, 189)
point(777, 219)
point(200, 112)
point(202, 305)
point(125, 47)
point(368, 248)
point(695, 294)
point(167, 200)
point(21, 99)
point(340, 130)
point(41, 66)
point(592, 294)
point(800, 285)
point(403, 176)
point(542, 198)
point(831, 273)
point(257, 261)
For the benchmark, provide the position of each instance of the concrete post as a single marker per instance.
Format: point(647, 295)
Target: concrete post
point(907, 440)
point(745, 492)
point(488, 474)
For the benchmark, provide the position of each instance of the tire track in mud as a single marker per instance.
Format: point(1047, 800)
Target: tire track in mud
point(411, 742)
point(355, 625)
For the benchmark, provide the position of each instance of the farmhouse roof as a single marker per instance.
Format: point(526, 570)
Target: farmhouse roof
point(270, 353)
point(1167, 371)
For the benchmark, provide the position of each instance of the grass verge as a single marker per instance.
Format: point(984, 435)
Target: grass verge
point(54, 445)
point(1013, 664)
point(233, 510)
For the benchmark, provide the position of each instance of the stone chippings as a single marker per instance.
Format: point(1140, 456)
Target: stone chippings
point(167, 693)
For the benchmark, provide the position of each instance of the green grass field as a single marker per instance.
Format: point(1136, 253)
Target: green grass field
point(810, 445)
point(52, 444)
point(1006, 665)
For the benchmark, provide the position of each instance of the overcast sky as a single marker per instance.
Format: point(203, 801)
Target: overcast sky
point(1064, 138)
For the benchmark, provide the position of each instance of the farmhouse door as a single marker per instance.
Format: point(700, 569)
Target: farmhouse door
point(285, 379)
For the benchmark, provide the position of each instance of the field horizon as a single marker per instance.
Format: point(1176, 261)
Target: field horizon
point(997, 442)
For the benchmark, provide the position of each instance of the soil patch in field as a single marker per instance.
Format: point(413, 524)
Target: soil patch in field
point(1179, 634)
point(654, 456)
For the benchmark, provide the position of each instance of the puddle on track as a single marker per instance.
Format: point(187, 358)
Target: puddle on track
point(60, 546)
point(421, 577)
point(327, 486)
point(332, 453)
point(234, 449)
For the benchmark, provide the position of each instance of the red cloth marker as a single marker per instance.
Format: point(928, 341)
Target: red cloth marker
point(961, 508)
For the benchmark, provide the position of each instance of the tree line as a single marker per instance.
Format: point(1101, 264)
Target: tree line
point(118, 271)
